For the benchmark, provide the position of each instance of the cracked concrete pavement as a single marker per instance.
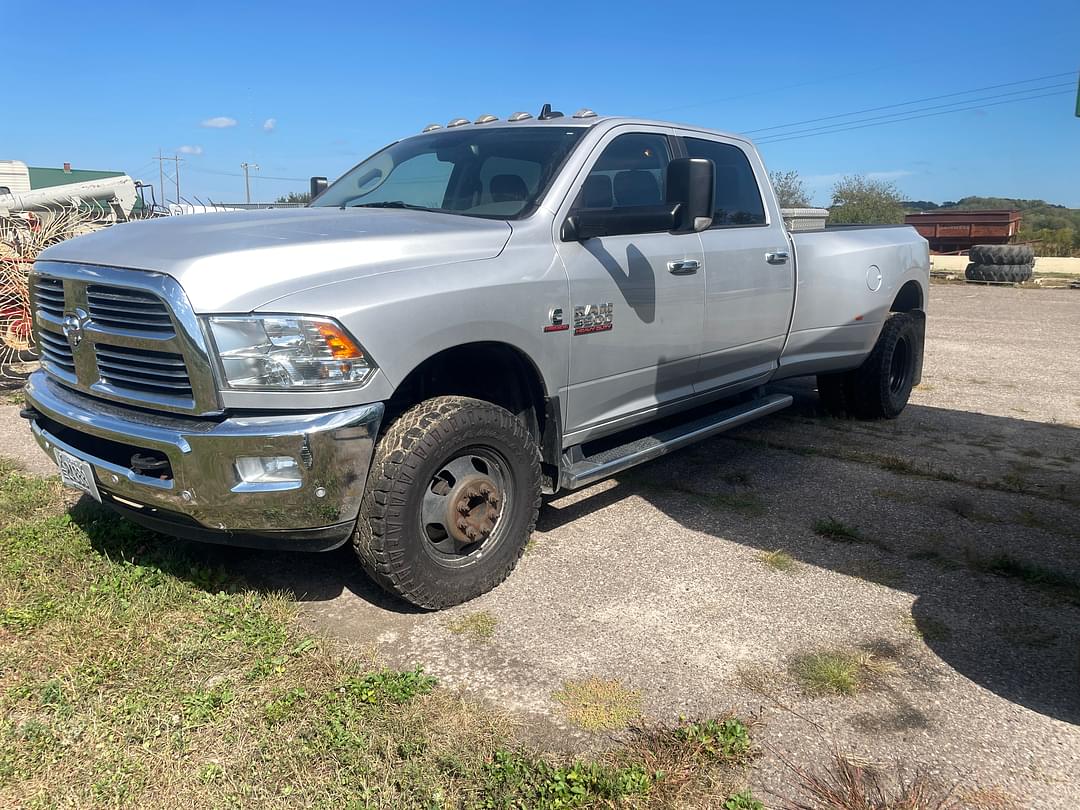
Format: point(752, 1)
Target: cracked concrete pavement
point(969, 513)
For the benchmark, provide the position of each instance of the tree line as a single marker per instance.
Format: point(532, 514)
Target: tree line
point(1054, 229)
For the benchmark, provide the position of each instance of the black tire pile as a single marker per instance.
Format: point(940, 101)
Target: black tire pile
point(1000, 263)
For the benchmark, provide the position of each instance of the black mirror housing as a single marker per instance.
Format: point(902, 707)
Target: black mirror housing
point(318, 186)
point(690, 189)
point(587, 223)
point(688, 207)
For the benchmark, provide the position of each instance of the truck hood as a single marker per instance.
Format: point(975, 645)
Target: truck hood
point(238, 261)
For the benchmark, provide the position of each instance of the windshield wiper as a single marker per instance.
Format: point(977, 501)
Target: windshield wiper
point(391, 204)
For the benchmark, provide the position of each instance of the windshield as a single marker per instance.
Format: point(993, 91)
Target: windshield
point(498, 173)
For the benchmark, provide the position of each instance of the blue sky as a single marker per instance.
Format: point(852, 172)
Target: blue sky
point(312, 88)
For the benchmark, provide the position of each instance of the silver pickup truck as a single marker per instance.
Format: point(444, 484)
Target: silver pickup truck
point(468, 319)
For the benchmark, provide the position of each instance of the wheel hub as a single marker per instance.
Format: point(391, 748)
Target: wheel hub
point(473, 509)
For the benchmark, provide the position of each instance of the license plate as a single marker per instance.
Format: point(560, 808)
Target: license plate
point(77, 473)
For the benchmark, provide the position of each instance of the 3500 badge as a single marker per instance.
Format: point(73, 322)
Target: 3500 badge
point(590, 318)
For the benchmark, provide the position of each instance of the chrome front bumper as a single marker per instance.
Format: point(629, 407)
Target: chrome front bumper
point(204, 498)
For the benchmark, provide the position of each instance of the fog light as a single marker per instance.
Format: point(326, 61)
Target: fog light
point(268, 469)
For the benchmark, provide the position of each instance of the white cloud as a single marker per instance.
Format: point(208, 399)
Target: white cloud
point(190, 150)
point(269, 125)
point(219, 122)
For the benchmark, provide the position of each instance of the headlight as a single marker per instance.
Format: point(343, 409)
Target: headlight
point(287, 351)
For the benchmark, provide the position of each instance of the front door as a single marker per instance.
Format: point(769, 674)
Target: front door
point(637, 300)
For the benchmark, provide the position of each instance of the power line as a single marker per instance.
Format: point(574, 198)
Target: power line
point(994, 98)
point(844, 128)
point(913, 101)
point(769, 90)
point(237, 174)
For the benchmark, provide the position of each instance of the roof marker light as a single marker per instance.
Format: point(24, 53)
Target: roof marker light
point(431, 127)
point(519, 116)
point(585, 112)
point(459, 122)
point(487, 118)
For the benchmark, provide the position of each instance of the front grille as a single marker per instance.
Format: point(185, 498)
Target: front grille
point(55, 352)
point(122, 308)
point(49, 296)
point(133, 337)
point(141, 371)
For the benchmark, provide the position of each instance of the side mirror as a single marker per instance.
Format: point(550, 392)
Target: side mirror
point(318, 186)
point(690, 189)
point(688, 207)
point(589, 223)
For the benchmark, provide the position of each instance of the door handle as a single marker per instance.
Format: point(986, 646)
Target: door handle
point(776, 257)
point(683, 267)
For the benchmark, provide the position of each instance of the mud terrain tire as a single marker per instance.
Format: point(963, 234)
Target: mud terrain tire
point(444, 467)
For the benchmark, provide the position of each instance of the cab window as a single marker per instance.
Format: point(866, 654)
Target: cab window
point(631, 171)
point(737, 199)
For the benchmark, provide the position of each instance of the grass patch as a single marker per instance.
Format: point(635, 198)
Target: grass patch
point(838, 672)
point(736, 500)
point(1026, 634)
point(479, 626)
point(963, 507)
point(1050, 580)
point(595, 704)
point(746, 503)
point(833, 529)
point(848, 784)
point(926, 628)
point(900, 466)
point(779, 560)
point(135, 671)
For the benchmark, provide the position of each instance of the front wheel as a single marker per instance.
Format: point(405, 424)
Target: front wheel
point(452, 497)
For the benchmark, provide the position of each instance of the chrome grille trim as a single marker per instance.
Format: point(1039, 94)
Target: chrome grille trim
point(56, 354)
point(119, 308)
point(141, 343)
point(141, 371)
point(49, 296)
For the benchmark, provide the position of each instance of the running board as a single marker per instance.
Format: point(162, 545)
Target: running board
point(579, 470)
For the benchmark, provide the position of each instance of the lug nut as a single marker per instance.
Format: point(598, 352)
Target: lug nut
point(462, 525)
point(471, 533)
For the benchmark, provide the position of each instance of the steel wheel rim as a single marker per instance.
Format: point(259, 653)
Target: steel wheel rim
point(468, 471)
point(900, 366)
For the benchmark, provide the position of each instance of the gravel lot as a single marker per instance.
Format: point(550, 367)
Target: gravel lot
point(962, 581)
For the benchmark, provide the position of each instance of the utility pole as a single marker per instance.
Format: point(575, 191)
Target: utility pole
point(161, 174)
point(176, 161)
point(247, 183)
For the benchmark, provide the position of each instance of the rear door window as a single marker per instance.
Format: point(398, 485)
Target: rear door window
point(737, 200)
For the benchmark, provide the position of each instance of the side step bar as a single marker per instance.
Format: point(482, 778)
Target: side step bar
point(579, 470)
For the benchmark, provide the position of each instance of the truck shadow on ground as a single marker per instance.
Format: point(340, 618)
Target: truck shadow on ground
point(976, 516)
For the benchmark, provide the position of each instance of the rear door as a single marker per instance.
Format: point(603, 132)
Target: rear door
point(749, 276)
point(637, 299)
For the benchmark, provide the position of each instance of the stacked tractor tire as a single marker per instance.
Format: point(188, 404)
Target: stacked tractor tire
point(1000, 263)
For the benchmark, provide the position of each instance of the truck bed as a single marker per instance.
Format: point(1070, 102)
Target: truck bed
point(838, 312)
